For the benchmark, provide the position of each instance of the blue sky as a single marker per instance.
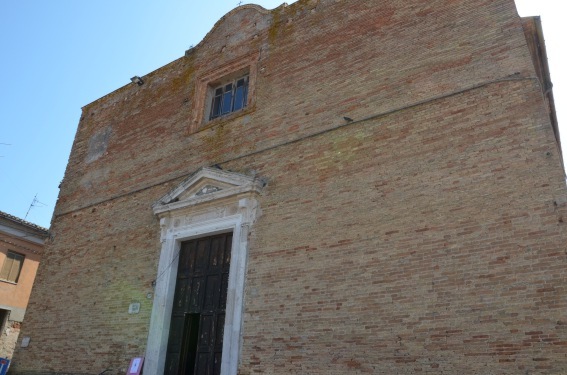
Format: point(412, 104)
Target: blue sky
point(59, 55)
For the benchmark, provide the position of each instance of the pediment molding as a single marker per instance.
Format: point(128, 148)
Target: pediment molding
point(205, 185)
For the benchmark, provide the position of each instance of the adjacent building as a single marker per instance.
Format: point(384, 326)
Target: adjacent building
point(21, 248)
point(330, 187)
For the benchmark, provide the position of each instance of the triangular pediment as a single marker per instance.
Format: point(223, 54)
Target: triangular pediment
point(205, 185)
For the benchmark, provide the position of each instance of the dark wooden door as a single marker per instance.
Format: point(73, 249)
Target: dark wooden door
point(197, 318)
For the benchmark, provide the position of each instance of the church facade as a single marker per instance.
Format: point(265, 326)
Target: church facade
point(329, 187)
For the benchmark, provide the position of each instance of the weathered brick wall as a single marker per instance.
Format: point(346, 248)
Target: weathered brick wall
point(426, 236)
point(425, 256)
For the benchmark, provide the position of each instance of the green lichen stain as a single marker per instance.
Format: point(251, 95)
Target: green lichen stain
point(180, 72)
point(282, 18)
point(215, 140)
point(273, 30)
point(182, 82)
point(341, 151)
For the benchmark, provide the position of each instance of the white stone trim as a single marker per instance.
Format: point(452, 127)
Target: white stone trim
point(190, 219)
point(16, 313)
point(236, 183)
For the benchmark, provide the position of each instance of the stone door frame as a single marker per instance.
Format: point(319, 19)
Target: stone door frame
point(210, 202)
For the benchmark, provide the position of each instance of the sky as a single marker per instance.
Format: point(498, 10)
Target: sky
point(57, 56)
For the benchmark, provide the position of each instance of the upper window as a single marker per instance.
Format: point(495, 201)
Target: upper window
point(229, 97)
point(225, 91)
point(12, 267)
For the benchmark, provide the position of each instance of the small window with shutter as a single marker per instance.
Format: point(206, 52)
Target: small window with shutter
point(12, 267)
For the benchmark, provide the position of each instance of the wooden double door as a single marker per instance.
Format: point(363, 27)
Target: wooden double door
point(197, 318)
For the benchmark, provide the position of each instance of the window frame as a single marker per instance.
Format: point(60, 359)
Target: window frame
point(9, 262)
point(207, 81)
point(218, 95)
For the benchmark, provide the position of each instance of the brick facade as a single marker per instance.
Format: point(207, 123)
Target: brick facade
point(427, 235)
